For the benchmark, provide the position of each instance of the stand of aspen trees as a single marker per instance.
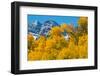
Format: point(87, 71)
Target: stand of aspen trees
point(56, 47)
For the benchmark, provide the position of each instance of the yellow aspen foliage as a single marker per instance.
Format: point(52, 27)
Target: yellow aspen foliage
point(56, 47)
point(62, 54)
point(41, 42)
point(50, 43)
point(83, 21)
point(30, 37)
point(55, 31)
point(63, 27)
point(83, 46)
point(50, 54)
point(67, 28)
point(35, 55)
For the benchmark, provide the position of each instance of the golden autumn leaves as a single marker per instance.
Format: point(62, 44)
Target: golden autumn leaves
point(55, 46)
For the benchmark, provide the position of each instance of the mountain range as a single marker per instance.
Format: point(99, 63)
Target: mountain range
point(37, 28)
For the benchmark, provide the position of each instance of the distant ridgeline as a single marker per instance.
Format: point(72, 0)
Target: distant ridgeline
point(37, 28)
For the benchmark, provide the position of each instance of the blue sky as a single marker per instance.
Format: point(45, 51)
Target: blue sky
point(59, 19)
